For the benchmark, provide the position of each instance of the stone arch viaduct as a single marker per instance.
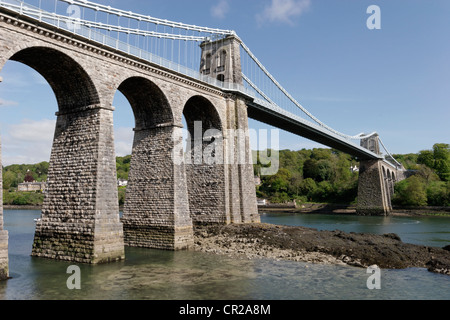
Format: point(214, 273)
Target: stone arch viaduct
point(168, 192)
point(165, 198)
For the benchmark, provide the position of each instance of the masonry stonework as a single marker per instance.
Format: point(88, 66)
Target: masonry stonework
point(80, 215)
point(372, 194)
point(80, 219)
point(4, 265)
point(156, 213)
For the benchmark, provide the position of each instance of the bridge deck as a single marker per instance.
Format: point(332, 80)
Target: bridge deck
point(303, 128)
point(258, 110)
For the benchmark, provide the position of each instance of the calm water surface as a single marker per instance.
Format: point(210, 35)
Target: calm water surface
point(153, 274)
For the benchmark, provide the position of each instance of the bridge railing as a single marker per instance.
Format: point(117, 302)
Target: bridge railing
point(125, 28)
point(77, 27)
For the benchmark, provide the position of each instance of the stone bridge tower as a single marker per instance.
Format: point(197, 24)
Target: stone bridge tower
point(376, 182)
point(221, 61)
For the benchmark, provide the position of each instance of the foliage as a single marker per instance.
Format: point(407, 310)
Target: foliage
point(122, 191)
point(411, 192)
point(22, 198)
point(430, 184)
point(318, 175)
point(123, 167)
point(15, 174)
point(437, 159)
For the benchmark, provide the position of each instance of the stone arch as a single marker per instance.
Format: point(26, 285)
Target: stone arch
point(222, 57)
point(71, 84)
point(80, 210)
point(156, 212)
point(208, 63)
point(198, 108)
point(205, 164)
point(150, 105)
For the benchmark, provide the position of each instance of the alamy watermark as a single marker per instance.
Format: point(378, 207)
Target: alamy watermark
point(74, 281)
point(74, 21)
point(374, 280)
point(374, 21)
point(227, 147)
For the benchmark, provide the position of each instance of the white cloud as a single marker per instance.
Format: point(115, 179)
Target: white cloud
point(123, 141)
point(33, 131)
point(8, 103)
point(28, 142)
point(31, 141)
point(220, 9)
point(284, 11)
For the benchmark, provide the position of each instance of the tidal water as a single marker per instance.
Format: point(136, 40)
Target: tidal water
point(161, 275)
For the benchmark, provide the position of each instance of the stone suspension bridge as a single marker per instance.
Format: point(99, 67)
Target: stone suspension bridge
point(87, 52)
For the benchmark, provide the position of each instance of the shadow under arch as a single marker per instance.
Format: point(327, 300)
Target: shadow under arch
point(80, 216)
point(156, 211)
point(205, 163)
point(150, 105)
point(72, 86)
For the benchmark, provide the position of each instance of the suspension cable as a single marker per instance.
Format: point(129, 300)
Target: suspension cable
point(213, 32)
point(144, 18)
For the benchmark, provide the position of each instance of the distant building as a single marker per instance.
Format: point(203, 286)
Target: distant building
point(32, 187)
point(122, 183)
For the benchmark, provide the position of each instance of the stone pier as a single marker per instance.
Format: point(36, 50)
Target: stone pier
point(156, 212)
point(373, 197)
point(243, 204)
point(4, 267)
point(376, 182)
point(80, 214)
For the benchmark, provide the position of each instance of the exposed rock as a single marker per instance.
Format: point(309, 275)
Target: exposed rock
point(310, 245)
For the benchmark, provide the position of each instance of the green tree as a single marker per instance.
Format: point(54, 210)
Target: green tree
point(308, 187)
point(441, 153)
point(426, 157)
point(411, 192)
point(9, 180)
point(437, 193)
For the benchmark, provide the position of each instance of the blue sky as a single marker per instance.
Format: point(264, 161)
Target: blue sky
point(395, 80)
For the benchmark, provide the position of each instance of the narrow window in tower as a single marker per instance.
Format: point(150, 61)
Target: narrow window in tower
point(208, 64)
point(222, 61)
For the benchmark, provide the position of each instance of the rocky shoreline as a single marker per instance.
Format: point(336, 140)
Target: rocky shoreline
point(253, 241)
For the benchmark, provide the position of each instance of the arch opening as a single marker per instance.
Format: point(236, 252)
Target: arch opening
point(78, 158)
point(204, 162)
point(149, 104)
point(155, 214)
point(72, 86)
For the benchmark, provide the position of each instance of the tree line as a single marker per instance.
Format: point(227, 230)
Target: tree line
point(317, 175)
point(430, 183)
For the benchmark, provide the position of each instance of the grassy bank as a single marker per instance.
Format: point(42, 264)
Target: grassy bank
point(14, 198)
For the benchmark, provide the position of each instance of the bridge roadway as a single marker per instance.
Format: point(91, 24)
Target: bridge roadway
point(259, 111)
point(275, 116)
point(80, 216)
